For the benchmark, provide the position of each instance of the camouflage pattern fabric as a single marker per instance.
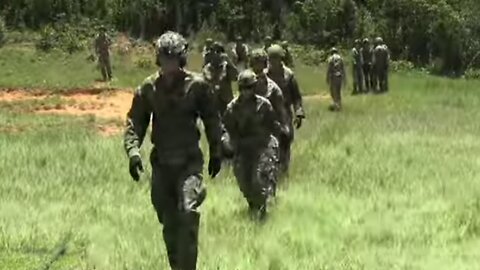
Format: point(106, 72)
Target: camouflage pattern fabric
point(251, 124)
point(102, 49)
point(357, 71)
point(285, 79)
point(367, 55)
point(335, 79)
point(220, 76)
point(381, 59)
point(177, 162)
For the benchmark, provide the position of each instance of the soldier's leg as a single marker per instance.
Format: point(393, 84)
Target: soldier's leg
point(101, 64)
point(360, 79)
point(386, 80)
point(164, 199)
point(338, 92)
point(382, 81)
point(266, 176)
point(243, 171)
point(193, 194)
point(108, 67)
point(366, 76)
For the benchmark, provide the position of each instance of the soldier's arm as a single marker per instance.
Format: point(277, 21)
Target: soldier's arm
point(231, 127)
point(210, 117)
point(329, 71)
point(138, 119)
point(278, 102)
point(232, 71)
point(271, 121)
point(296, 97)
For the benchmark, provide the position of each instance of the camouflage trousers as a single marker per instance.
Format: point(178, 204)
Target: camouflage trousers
point(105, 67)
point(256, 171)
point(368, 77)
point(336, 91)
point(177, 192)
point(357, 80)
point(380, 80)
point(285, 145)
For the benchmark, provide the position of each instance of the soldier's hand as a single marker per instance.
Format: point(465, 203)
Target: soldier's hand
point(298, 122)
point(214, 166)
point(136, 167)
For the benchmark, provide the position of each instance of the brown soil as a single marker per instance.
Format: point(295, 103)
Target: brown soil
point(111, 104)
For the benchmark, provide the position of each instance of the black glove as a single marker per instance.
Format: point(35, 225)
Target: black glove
point(214, 166)
point(298, 122)
point(135, 167)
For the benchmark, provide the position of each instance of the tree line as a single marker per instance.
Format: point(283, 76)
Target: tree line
point(443, 35)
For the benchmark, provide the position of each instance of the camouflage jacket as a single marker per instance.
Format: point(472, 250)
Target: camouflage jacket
point(381, 57)
point(285, 79)
point(102, 45)
point(240, 53)
point(221, 77)
point(174, 111)
point(250, 123)
point(268, 89)
point(336, 67)
point(367, 54)
point(357, 58)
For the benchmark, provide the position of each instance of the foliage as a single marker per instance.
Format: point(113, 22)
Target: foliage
point(3, 32)
point(472, 74)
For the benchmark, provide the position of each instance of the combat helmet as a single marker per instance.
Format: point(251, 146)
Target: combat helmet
point(258, 55)
point(172, 44)
point(366, 41)
point(378, 40)
point(276, 51)
point(208, 41)
point(284, 44)
point(247, 78)
point(333, 50)
point(218, 47)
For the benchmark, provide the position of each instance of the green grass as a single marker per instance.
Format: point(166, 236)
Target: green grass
point(392, 182)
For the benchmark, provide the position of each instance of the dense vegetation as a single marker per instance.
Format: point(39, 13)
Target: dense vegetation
point(443, 35)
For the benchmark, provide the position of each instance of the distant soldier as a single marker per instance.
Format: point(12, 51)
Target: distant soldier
point(381, 59)
point(367, 54)
point(220, 73)
point(268, 89)
point(288, 58)
point(206, 51)
point(357, 66)
point(285, 79)
point(240, 53)
point(252, 125)
point(267, 43)
point(336, 78)
point(102, 49)
point(174, 99)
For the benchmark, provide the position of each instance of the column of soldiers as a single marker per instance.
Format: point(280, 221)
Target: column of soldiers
point(256, 128)
point(370, 66)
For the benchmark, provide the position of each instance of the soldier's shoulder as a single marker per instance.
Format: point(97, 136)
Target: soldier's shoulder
point(196, 80)
point(288, 71)
point(149, 81)
point(232, 105)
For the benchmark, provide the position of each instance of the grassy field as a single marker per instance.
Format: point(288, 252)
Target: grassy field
point(393, 182)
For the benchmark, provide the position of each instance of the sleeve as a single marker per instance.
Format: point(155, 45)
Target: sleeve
point(296, 97)
point(278, 106)
point(138, 119)
point(271, 121)
point(231, 126)
point(210, 117)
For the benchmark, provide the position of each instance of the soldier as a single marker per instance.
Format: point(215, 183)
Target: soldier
point(381, 59)
point(336, 78)
point(206, 51)
point(174, 98)
point(240, 53)
point(268, 43)
point(357, 65)
point(287, 59)
point(367, 54)
point(268, 89)
point(252, 124)
point(102, 49)
point(220, 73)
point(285, 79)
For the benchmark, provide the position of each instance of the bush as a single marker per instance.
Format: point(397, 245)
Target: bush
point(401, 65)
point(310, 55)
point(472, 74)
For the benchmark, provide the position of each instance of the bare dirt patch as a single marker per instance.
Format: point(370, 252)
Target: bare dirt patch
point(104, 105)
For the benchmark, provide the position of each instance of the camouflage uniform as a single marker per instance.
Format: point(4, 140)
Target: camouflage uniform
point(240, 53)
point(268, 89)
point(102, 49)
point(206, 51)
point(367, 54)
point(251, 124)
point(220, 73)
point(357, 65)
point(336, 78)
point(285, 79)
point(381, 59)
point(177, 162)
point(288, 58)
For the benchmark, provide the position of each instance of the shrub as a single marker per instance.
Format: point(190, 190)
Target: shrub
point(472, 73)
